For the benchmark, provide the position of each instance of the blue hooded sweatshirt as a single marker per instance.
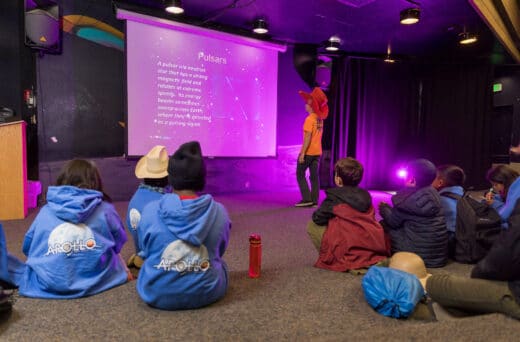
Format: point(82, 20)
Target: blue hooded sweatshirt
point(450, 206)
point(144, 195)
point(506, 209)
point(183, 242)
point(72, 246)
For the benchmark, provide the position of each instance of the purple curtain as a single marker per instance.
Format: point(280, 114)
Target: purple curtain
point(386, 114)
point(372, 104)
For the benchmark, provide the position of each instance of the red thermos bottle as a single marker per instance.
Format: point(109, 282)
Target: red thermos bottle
point(255, 255)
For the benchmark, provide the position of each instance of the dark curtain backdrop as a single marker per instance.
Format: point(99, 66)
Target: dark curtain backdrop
point(457, 107)
point(372, 102)
point(386, 114)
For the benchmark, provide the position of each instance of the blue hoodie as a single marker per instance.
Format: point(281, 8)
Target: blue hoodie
point(10, 266)
point(506, 209)
point(144, 195)
point(450, 206)
point(72, 246)
point(183, 242)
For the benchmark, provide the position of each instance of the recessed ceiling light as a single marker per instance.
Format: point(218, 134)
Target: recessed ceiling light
point(410, 16)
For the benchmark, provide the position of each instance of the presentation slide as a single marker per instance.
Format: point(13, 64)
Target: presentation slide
point(186, 83)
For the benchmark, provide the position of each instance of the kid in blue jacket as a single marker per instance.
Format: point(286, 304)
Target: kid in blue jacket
point(73, 245)
point(506, 191)
point(153, 169)
point(183, 237)
point(450, 180)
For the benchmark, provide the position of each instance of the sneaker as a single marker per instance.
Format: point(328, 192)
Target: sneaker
point(314, 205)
point(304, 204)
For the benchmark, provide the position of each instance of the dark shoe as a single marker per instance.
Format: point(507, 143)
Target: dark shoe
point(304, 204)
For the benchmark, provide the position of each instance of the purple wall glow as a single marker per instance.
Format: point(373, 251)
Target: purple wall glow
point(190, 84)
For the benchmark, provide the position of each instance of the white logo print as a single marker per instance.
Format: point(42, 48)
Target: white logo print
point(183, 257)
point(70, 238)
point(135, 218)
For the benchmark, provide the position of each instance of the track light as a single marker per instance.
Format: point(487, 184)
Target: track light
point(173, 6)
point(333, 44)
point(466, 38)
point(410, 16)
point(260, 26)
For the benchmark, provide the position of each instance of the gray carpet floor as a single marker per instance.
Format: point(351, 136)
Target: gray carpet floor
point(292, 300)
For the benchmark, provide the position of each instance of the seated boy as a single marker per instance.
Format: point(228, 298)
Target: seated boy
point(450, 181)
point(344, 229)
point(183, 237)
point(416, 222)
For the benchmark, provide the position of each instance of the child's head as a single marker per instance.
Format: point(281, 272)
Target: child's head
point(80, 173)
point(186, 168)
point(421, 173)
point(449, 175)
point(501, 177)
point(153, 167)
point(348, 172)
point(316, 102)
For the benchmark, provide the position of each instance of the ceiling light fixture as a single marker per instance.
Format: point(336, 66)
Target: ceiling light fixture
point(333, 44)
point(466, 38)
point(260, 26)
point(410, 16)
point(173, 6)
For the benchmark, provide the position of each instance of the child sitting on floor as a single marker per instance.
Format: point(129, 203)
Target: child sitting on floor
point(416, 222)
point(344, 229)
point(73, 245)
point(183, 237)
point(450, 181)
point(153, 169)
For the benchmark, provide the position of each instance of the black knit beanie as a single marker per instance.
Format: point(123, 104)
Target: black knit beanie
point(186, 168)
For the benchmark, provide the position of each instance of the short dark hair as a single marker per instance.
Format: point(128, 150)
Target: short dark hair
point(502, 174)
point(452, 175)
point(349, 170)
point(83, 174)
point(423, 171)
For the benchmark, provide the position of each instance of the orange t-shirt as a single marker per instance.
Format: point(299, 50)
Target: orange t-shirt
point(314, 125)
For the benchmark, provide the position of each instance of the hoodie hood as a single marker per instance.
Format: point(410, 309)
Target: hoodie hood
point(190, 220)
point(73, 204)
point(424, 201)
point(354, 196)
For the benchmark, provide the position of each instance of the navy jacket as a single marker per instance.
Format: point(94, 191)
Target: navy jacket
point(416, 224)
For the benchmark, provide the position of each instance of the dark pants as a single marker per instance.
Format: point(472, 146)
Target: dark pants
point(312, 163)
point(472, 296)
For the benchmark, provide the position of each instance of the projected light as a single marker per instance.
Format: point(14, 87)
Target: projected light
point(402, 173)
point(189, 83)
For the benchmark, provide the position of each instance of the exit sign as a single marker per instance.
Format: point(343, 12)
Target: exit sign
point(497, 87)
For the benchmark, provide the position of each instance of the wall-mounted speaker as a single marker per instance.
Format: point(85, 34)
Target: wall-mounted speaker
point(42, 28)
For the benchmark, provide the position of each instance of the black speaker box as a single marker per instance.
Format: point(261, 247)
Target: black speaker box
point(42, 29)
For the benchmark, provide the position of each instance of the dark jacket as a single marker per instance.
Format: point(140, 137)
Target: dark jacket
point(357, 198)
point(416, 224)
point(503, 261)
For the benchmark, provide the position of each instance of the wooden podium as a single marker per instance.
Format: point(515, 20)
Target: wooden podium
point(13, 174)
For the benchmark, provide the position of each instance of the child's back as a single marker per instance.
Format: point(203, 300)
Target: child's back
point(73, 245)
point(416, 223)
point(183, 237)
point(449, 182)
point(344, 229)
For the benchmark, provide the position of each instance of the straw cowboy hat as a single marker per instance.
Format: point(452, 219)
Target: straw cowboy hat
point(154, 164)
point(411, 263)
point(319, 102)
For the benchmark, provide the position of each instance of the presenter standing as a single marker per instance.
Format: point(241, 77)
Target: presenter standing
point(310, 153)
